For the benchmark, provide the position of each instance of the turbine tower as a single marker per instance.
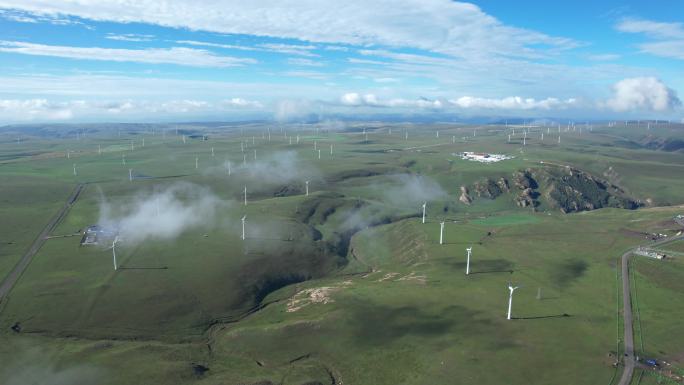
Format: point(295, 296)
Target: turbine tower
point(307, 187)
point(424, 205)
point(245, 195)
point(511, 289)
point(243, 227)
point(75, 169)
point(469, 250)
point(441, 232)
point(113, 247)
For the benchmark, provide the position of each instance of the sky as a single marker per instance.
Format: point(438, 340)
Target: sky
point(288, 60)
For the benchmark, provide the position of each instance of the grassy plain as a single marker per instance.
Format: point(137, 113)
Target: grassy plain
point(344, 285)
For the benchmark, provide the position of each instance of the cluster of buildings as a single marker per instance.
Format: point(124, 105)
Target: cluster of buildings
point(95, 234)
point(483, 157)
point(650, 253)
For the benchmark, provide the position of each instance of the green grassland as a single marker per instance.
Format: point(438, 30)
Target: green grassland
point(344, 285)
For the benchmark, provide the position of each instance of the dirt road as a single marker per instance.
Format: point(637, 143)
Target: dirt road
point(12, 278)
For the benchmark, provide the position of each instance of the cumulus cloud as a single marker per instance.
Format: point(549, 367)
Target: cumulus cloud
point(354, 99)
point(644, 93)
point(162, 215)
point(174, 55)
point(512, 103)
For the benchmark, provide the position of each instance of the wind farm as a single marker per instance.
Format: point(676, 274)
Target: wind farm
point(366, 260)
point(341, 193)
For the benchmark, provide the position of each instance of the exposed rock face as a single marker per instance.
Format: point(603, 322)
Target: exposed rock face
point(572, 190)
point(487, 188)
point(465, 198)
point(564, 188)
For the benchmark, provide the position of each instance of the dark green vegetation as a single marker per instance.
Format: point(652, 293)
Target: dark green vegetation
point(344, 285)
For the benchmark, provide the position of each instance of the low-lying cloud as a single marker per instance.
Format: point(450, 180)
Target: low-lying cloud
point(163, 214)
point(354, 99)
point(513, 103)
point(277, 168)
point(409, 189)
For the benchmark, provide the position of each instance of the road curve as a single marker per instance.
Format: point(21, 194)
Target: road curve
point(629, 358)
point(12, 278)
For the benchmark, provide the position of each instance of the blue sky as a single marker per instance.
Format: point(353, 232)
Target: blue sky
point(109, 60)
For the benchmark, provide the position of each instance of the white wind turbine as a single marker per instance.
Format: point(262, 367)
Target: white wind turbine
point(469, 250)
point(75, 169)
point(245, 195)
point(113, 247)
point(511, 289)
point(307, 187)
point(424, 205)
point(243, 227)
point(441, 232)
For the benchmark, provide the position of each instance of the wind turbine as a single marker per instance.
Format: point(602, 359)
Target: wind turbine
point(130, 175)
point(331, 148)
point(75, 169)
point(255, 154)
point(307, 187)
point(511, 289)
point(319, 153)
point(243, 227)
point(424, 205)
point(212, 152)
point(113, 247)
point(469, 250)
point(245, 195)
point(441, 232)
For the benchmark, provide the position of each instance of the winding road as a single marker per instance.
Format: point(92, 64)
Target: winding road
point(8, 282)
point(629, 358)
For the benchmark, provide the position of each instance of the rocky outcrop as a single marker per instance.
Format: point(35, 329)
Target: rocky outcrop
point(465, 198)
point(564, 188)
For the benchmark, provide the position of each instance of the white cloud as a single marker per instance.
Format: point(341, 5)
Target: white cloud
point(604, 57)
point(34, 109)
point(290, 49)
point(652, 28)
point(133, 37)
point(644, 93)
point(293, 109)
point(175, 55)
point(242, 103)
point(668, 37)
point(18, 110)
point(445, 26)
point(512, 103)
point(353, 99)
point(304, 62)
point(162, 215)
